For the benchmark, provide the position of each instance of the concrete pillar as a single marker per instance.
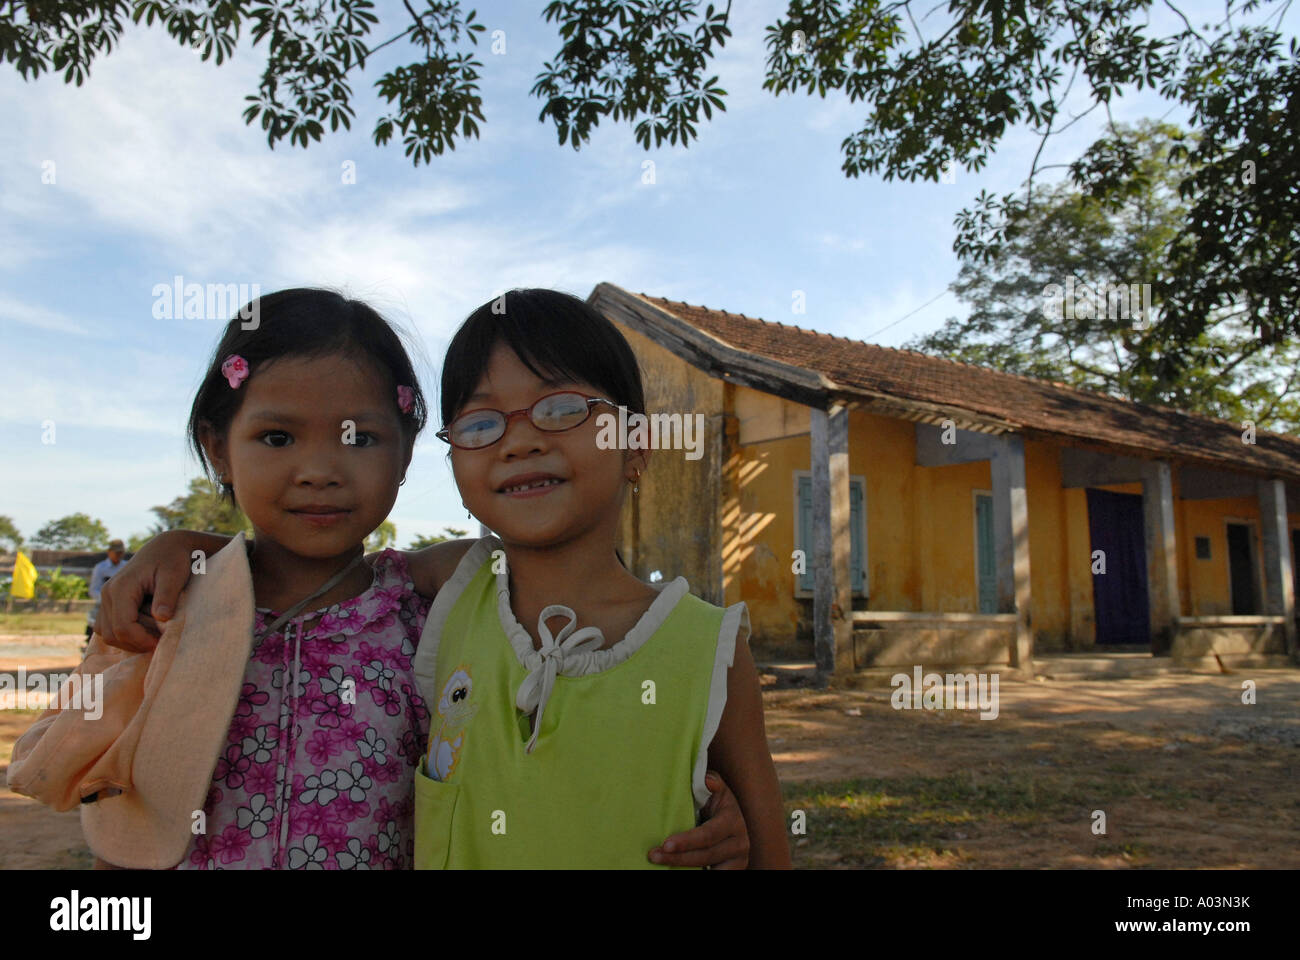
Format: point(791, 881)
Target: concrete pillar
point(1162, 553)
point(832, 604)
point(1011, 543)
point(1279, 588)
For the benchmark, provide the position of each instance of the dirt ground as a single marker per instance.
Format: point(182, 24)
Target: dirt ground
point(1186, 775)
point(33, 836)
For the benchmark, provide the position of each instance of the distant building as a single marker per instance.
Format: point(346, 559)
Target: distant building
point(79, 562)
point(948, 513)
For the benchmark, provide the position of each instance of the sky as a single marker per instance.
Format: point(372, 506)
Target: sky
point(155, 175)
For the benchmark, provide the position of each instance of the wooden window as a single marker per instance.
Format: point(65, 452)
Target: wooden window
point(857, 534)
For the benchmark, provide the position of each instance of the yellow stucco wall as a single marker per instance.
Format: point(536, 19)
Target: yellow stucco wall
point(1205, 584)
point(760, 526)
point(669, 526)
point(1050, 568)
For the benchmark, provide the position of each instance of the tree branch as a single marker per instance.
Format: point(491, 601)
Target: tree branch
point(1190, 28)
point(1033, 167)
point(424, 33)
point(908, 7)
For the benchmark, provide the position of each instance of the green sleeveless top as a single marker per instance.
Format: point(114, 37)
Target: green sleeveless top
point(616, 761)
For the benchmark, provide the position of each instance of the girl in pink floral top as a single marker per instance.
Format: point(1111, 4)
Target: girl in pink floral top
point(317, 774)
point(308, 419)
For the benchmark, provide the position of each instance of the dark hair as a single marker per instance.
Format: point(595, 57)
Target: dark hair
point(555, 335)
point(301, 322)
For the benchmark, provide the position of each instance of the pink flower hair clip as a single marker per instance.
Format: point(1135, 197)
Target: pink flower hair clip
point(405, 399)
point(235, 369)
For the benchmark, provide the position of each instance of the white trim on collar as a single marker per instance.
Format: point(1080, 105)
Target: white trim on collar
point(590, 661)
point(425, 662)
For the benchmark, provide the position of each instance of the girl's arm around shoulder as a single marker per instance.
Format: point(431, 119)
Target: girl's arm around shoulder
point(739, 752)
point(433, 566)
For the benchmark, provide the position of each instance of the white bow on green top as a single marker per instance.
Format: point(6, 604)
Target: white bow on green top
point(536, 689)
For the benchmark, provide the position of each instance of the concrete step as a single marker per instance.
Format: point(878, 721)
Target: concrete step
point(1086, 666)
point(801, 673)
point(789, 673)
point(1063, 666)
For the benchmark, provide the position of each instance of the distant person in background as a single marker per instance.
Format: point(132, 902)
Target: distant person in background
point(99, 576)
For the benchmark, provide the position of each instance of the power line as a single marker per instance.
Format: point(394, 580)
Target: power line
point(872, 336)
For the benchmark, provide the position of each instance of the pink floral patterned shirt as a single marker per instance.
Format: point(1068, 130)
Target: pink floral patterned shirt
point(318, 769)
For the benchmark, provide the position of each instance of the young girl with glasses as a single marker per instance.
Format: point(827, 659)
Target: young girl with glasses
point(575, 707)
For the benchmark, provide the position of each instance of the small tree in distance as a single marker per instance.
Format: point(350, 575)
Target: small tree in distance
point(9, 534)
point(77, 531)
point(428, 540)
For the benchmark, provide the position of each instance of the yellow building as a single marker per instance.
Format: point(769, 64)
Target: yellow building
point(875, 506)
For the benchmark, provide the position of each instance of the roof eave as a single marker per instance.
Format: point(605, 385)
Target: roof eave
point(708, 353)
point(720, 359)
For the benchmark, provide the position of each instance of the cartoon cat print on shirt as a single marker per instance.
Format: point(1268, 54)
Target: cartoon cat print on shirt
point(447, 738)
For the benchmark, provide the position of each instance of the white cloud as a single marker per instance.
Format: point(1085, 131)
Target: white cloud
point(43, 318)
point(837, 115)
point(840, 243)
point(153, 145)
point(88, 395)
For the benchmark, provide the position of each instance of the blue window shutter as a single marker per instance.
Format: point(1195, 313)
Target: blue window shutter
point(806, 579)
point(857, 575)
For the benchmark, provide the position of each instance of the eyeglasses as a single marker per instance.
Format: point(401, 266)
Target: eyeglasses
point(553, 413)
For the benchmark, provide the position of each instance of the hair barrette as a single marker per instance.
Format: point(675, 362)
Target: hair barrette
point(405, 399)
point(235, 369)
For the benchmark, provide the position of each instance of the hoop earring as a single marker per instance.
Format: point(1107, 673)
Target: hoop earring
point(401, 482)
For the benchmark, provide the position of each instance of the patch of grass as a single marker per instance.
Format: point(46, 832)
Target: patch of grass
point(42, 624)
point(1136, 852)
point(922, 820)
point(923, 856)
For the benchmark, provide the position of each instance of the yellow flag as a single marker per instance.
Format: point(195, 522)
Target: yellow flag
point(24, 585)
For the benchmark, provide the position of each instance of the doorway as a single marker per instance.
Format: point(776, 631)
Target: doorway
point(1242, 579)
point(1121, 606)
